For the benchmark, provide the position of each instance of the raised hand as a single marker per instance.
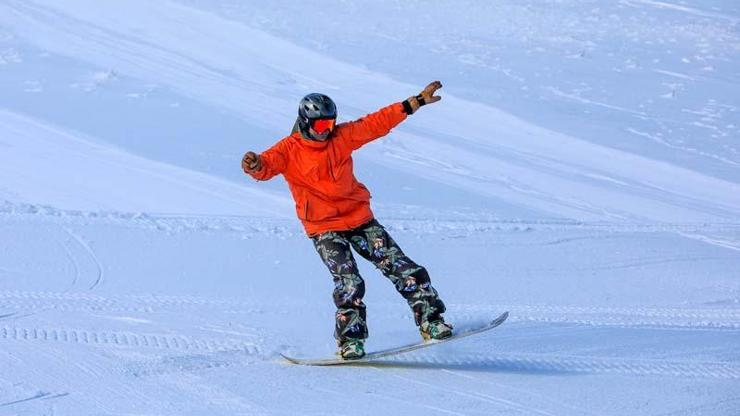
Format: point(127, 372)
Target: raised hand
point(426, 96)
point(428, 93)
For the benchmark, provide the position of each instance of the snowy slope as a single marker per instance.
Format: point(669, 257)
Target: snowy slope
point(582, 164)
point(43, 164)
point(494, 154)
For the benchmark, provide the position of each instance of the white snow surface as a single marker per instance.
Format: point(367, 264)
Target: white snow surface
point(582, 171)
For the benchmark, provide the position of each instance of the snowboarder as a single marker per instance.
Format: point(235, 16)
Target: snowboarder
point(316, 161)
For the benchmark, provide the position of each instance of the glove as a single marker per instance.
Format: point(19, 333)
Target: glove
point(251, 162)
point(426, 96)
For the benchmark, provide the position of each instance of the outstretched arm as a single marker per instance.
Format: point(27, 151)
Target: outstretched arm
point(380, 123)
point(262, 167)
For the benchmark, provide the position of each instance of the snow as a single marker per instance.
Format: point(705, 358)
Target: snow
point(52, 166)
point(580, 172)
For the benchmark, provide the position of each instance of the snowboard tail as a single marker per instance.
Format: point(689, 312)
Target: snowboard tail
point(398, 350)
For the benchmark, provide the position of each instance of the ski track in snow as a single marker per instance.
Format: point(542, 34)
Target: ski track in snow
point(126, 339)
point(682, 8)
point(37, 396)
point(230, 352)
point(187, 353)
point(75, 264)
point(86, 247)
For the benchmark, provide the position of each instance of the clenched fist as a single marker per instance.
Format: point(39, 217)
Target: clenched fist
point(251, 162)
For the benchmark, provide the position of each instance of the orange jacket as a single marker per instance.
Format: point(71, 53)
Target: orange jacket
point(327, 195)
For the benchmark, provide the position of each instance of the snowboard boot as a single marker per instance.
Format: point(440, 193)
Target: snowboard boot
point(435, 330)
point(352, 349)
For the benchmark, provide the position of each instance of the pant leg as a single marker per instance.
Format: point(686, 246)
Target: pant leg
point(411, 280)
point(349, 288)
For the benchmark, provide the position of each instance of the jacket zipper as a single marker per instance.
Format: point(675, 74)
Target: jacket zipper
point(331, 168)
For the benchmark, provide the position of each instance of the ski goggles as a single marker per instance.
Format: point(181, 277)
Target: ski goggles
point(322, 125)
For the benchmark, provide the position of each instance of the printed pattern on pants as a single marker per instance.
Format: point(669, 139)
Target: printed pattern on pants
point(372, 242)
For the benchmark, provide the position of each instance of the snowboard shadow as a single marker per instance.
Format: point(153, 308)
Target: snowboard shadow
point(486, 365)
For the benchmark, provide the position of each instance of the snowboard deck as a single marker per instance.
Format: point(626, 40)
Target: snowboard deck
point(397, 350)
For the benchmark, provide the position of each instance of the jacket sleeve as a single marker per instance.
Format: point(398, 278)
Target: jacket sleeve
point(274, 162)
point(374, 126)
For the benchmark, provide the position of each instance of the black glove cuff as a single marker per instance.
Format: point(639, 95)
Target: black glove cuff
point(407, 107)
point(421, 100)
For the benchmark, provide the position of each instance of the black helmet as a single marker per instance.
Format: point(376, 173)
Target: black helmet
point(314, 107)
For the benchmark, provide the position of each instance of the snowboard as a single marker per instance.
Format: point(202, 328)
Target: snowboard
point(398, 350)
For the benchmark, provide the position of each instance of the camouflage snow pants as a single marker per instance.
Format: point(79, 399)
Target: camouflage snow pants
point(372, 242)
